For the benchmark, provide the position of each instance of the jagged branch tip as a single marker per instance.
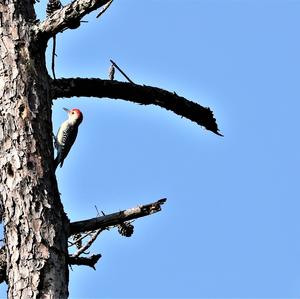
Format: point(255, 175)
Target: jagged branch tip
point(103, 222)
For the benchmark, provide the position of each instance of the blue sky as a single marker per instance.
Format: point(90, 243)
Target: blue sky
point(230, 228)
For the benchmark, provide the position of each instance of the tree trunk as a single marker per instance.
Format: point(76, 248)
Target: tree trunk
point(36, 227)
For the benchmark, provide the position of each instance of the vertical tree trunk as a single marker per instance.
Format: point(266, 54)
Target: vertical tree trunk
point(34, 221)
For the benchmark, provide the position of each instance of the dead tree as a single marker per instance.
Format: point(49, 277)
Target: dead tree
point(35, 259)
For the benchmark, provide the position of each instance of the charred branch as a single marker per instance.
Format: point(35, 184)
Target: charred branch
point(67, 17)
point(141, 94)
point(106, 221)
point(80, 261)
point(85, 261)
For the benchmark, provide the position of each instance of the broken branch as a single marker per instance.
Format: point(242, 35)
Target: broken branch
point(85, 261)
point(80, 261)
point(67, 17)
point(103, 222)
point(141, 94)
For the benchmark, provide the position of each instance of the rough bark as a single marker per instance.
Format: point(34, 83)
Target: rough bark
point(34, 221)
point(97, 224)
point(90, 261)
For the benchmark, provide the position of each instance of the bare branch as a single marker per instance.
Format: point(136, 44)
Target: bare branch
point(85, 261)
point(141, 94)
point(88, 244)
point(119, 69)
point(78, 240)
point(67, 17)
point(116, 218)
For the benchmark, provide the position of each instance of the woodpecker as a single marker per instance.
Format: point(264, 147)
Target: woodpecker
point(66, 135)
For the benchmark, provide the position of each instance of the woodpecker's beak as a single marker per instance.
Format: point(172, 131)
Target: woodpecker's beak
point(67, 110)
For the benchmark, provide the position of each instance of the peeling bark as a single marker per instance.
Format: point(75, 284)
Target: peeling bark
point(34, 221)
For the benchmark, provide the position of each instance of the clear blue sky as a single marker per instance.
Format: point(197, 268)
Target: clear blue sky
point(231, 226)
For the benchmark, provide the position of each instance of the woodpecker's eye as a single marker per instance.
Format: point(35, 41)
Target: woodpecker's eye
point(73, 112)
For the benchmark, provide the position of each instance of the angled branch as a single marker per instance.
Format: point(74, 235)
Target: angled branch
point(67, 17)
point(85, 261)
point(78, 241)
point(141, 94)
point(119, 69)
point(116, 218)
point(88, 244)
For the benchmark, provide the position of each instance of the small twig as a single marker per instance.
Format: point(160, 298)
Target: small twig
point(115, 65)
point(98, 214)
point(79, 239)
point(103, 214)
point(104, 8)
point(88, 244)
point(52, 7)
point(53, 56)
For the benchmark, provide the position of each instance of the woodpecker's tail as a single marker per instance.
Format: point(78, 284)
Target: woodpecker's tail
point(55, 163)
point(58, 161)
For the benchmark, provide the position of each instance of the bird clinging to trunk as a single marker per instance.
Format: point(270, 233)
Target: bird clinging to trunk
point(66, 135)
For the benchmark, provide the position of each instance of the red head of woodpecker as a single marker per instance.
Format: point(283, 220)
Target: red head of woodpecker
point(66, 135)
